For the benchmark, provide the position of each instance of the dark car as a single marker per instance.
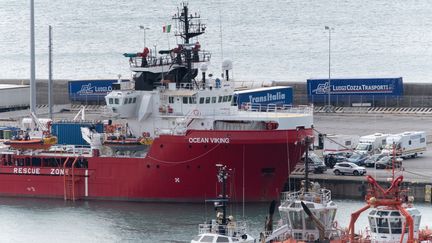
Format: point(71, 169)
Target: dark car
point(358, 159)
point(334, 158)
point(316, 164)
point(387, 161)
point(371, 160)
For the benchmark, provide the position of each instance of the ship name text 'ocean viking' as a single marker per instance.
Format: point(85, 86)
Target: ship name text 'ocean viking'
point(209, 140)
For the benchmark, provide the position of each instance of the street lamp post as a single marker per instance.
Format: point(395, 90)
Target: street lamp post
point(329, 67)
point(144, 30)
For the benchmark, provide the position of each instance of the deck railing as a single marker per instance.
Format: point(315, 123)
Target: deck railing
point(322, 196)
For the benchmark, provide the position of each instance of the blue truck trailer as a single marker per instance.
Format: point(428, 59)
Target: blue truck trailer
point(89, 90)
point(354, 90)
point(277, 95)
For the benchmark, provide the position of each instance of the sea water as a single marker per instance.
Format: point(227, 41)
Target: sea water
point(265, 39)
point(54, 220)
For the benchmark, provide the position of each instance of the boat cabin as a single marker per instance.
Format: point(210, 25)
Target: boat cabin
point(301, 227)
point(386, 225)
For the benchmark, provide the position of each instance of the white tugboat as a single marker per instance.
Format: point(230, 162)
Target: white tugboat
point(223, 228)
point(307, 215)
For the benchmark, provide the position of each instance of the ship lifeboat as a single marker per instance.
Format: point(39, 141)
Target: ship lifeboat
point(44, 143)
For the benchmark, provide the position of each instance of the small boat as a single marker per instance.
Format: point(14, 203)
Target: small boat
point(307, 215)
point(223, 228)
point(32, 144)
point(393, 217)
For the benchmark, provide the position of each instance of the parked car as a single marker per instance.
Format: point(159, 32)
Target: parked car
point(371, 160)
point(348, 168)
point(358, 159)
point(316, 164)
point(387, 161)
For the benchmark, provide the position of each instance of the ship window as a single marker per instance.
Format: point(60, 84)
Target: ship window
point(130, 100)
point(372, 223)
point(296, 220)
point(409, 142)
point(126, 101)
point(396, 225)
point(185, 100)
point(196, 238)
point(222, 239)
point(347, 143)
point(192, 100)
point(220, 99)
point(422, 140)
point(225, 98)
point(110, 101)
point(207, 100)
point(116, 101)
point(383, 225)
point(229, 98)
point(202, 100)
point(171, 100)
point(213, 99)
point(134, 100)
point(207, 238)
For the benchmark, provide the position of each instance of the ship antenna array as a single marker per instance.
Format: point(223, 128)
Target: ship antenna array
point(189, 26)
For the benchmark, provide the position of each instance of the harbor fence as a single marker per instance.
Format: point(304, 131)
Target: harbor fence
point(367, 101)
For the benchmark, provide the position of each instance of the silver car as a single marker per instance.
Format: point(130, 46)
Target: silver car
point(348, 168)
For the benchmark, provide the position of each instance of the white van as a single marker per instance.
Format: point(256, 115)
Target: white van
point(334, 144)
point(371, 144)
point(406, 144)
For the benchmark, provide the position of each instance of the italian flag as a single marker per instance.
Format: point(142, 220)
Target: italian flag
point(166, 28)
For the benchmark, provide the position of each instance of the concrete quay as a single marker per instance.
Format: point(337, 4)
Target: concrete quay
point(417, 172)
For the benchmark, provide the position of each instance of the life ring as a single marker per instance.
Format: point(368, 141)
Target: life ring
point(196, 112)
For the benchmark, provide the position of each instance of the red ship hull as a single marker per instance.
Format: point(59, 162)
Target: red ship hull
point(176, 168)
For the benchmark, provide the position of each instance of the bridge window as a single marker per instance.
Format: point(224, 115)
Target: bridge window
point(383, 225)
point(126, 101)
point(222, 239)
point(225, 98)
point(213, 99)
point(192, 100)
point(220, 99)
point(116, 101)
point(185, 100)
point(296, 219)
point(396, 225)
point(110, 101)
point(207, 100)
point(134, 100)
point(372, 224)
point(130, 100)
point(229, 98)
point(202, 100)
point(207, 238)
point(171, 100)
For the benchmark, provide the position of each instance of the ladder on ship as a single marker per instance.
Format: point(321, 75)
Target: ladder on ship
point(70, 180)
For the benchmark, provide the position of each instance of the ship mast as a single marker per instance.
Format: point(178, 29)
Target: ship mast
point(190, 26)
point(222, 179)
